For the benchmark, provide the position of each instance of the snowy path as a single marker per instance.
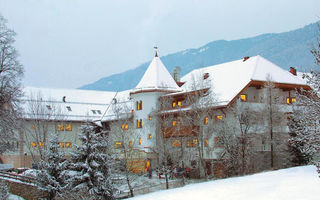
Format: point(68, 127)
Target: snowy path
point(299, 183)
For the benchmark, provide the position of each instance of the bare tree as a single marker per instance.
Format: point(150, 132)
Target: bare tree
point(125, 140)
point(41, 118)
point(11, 72)
point(237, 136)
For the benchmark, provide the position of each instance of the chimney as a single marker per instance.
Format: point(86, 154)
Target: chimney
point(293, 71)
point(245, 58)
point(176, 74)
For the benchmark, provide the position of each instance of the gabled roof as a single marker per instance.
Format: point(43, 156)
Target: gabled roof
point(157, 77)
point(227, 80)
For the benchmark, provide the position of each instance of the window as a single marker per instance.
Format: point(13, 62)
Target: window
point(118, 145)
point(217, 143)
point(130, 144)
point(291, 100)
point(243, 97)
point(99, 112)
point(69, 127)
point(139, 123)
point(219, 117)
point(206, 120)
point(68, 145)
point(33, 127)
point(192, 143)
point(124, 126)
point(150, 117)
point(139, 105)
point(174, 123)
point(206, 142)
point(61, 144)
point(179, 103)
point(60, 127)
point(176, 143)
point(33, 144)
point(149, 136)
point(69, 108)
point(94, 111)
point(139, 141)
point(174, 104)
point(40, 144)
point(48, 107)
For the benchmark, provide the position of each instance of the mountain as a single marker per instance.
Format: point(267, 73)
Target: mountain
point(288, 49)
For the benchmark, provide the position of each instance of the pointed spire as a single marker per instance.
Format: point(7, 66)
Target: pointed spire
point(156, 50)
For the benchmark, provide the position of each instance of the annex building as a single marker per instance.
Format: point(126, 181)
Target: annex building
point(165, 116)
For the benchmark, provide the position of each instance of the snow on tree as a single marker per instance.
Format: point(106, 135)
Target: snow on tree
point(91, 164)
point(4, 191)
point(302, 141)
point(53, 169)
point(11, 73)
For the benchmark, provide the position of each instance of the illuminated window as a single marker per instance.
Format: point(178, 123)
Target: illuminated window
point(124, 126)
point(139, 105)
point(139, 141)
point(61, 144)
point(194, 142)
point(291, 100)
point(118, 145)
point(174, 123)
point(149, 136)
point(68, 145)
point(206, 142)
point(219, 117)
point(60, 127)
point(139, 123)
point(174, 104)
point(130, 144)
point(206, 120)
point(150, 118)
point(179, 103)
point(243, 97)
point(40, 144)
point(69, 127)
point(33, 144)
point(176, 143)
point(189, 143)
point(33, 127)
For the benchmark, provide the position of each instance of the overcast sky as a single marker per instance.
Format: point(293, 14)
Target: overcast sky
point(69, 43)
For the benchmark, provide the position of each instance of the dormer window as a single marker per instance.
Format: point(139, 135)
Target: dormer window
point(69, 108)
point(205, 76)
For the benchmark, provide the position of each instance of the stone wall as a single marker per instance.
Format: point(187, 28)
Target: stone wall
point(27, 191)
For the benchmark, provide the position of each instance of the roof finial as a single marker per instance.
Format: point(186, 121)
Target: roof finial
point(156, 50)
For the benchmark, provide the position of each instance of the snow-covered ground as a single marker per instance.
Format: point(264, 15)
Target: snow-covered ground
point(298, 183)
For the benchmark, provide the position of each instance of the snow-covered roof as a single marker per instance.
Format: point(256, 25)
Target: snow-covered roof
point(157, 77)
point(68, 104)
point(228, 79)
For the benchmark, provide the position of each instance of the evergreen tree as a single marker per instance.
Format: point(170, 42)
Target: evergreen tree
point(301, 141)
point(92, 164)
point(53, 169)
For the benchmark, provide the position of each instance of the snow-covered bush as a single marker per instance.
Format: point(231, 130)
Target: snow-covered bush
point(4, 191)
